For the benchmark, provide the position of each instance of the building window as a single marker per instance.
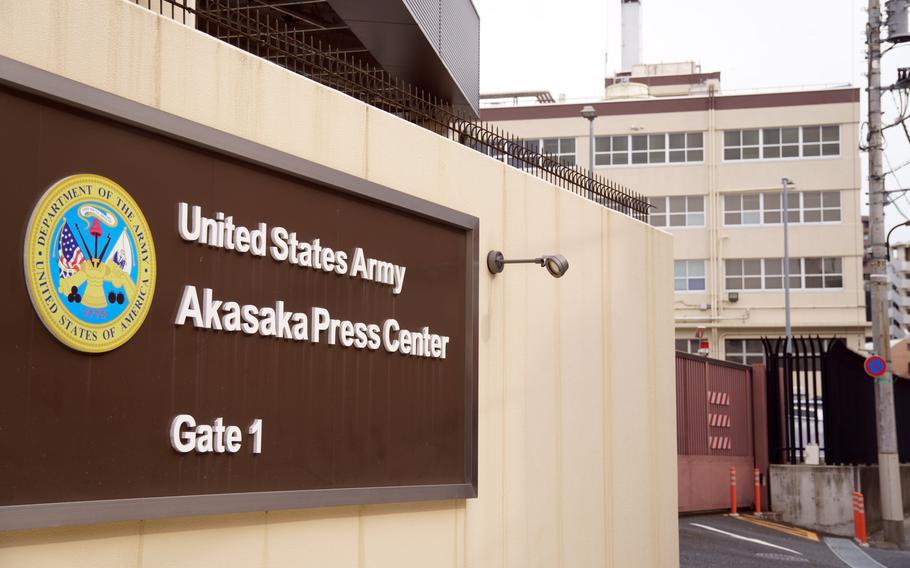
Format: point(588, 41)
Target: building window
point(689, 275)
point(744, 351)
point(649, 149)
point(660, 148)
point(744, 274)
point(562, 149)
point(522, 160)
point(772, 210)
point(821, 206)
point(678, 211)
point(823, 273)
point(611, 150)
point(741, 144)
point(533, 144)
point(782, 143)
point(686, 147)
point(765, 208)
point(742, 209)
point(821, 140)
point(688, 345)
point(774, 273)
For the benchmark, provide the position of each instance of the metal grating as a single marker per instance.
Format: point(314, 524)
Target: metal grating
point(459, 43)
point(426, 12)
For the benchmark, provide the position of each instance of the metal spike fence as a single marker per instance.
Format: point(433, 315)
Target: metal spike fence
point(819, 393)
point(269, 31)
point(798, 383)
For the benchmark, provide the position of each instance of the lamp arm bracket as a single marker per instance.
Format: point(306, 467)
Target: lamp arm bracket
point(539, 260)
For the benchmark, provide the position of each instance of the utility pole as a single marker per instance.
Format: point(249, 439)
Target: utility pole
point(886, 429)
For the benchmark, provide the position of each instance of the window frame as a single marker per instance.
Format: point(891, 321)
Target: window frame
point(803, 274)
point(780, 145)
point(647, 151)
point(740, 145)
point(560, 154)
point(800, 144)
point(612, 151)
point(764, 209)
point(821, 208)
point(667, 213)
point(824, 274)
point(686, 149)
point(532, 144)
point(688, 277)
point(744, 342)
point(689, 345)
point(821, 142)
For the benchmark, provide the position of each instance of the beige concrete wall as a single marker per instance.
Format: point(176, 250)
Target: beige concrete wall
point(577, 449)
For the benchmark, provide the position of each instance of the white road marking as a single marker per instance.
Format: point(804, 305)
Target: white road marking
point(850, 554)
point(747, 539)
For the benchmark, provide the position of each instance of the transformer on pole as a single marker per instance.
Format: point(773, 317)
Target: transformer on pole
point(897, 19)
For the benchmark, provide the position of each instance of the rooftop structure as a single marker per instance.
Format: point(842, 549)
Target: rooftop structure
point(664, 80)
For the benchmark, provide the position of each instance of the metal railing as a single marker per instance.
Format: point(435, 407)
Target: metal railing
point(270, 31)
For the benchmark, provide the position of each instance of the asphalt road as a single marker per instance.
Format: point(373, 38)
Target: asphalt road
point(719, 541)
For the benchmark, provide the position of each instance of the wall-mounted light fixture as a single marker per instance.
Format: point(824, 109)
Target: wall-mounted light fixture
point(732, 297)
point(556, 264)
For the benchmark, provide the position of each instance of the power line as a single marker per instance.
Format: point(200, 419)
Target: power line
point(899, 210)
point(903, 192)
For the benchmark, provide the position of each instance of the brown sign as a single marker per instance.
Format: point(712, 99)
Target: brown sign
point(259, 379)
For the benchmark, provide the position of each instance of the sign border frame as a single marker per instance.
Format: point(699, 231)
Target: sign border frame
point(22, 77)
point(869, 360)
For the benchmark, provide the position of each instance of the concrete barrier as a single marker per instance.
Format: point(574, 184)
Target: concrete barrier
point(820, 497)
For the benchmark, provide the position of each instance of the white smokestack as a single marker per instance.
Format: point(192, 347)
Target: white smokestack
point(631, 34)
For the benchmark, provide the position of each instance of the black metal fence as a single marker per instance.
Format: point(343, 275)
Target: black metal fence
point(819, 393)
point(850, 409)
point(268, 31)
point(796, 381)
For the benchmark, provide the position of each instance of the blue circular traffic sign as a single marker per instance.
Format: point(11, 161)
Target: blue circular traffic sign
point(875, 366)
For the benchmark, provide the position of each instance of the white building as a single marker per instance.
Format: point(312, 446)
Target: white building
point(712, 164)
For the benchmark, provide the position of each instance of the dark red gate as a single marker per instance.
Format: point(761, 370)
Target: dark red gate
point(716, 430)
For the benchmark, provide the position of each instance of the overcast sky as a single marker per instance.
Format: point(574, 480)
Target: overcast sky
point(560, 46)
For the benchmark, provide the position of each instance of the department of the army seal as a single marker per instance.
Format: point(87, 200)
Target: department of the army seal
point(89, 263)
